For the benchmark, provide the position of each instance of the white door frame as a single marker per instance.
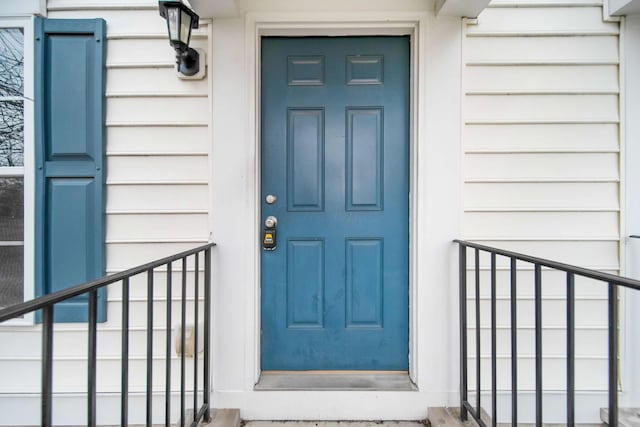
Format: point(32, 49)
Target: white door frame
point(336, 24)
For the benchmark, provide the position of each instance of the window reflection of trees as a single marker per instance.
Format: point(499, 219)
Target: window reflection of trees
point(11, 97)
point(11, 209)
point(11, 158)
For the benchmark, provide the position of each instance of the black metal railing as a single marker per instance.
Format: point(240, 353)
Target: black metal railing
point(613, 282)
point(47, 305)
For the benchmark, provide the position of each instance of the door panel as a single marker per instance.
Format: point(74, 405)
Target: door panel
point(335, 150)
point(305, 159)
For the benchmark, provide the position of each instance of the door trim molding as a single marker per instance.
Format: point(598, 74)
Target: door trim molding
point(258, 25)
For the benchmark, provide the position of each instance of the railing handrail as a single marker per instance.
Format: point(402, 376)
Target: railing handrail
point(568, 268)
point(23, 308)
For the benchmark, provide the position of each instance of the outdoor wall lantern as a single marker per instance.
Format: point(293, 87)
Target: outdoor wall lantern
point(180, 20)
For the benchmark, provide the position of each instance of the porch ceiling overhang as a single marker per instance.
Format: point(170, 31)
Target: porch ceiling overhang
point(215, 8)
point(23, 8)
point(461, 8)
point(229, 8)
point(624, 7)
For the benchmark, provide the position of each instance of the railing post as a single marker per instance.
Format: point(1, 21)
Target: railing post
point(207, 334)
point(613, 354)
point(91, 359)
point(124, 393)
point(167, 384)
point(150, 348)
point(494, 345)
point(514, 343)
point(571, 350)
point(196, 302)
point(47, 365)
point(183, 341)
point(538, 339)
point(463, 330)
point(478, 366)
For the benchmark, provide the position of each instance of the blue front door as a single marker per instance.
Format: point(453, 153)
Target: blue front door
point(335, 175)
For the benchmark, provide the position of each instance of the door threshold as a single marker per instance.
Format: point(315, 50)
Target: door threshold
point(335, 380)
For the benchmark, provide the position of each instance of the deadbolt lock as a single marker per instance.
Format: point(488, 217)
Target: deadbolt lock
point(269, 234)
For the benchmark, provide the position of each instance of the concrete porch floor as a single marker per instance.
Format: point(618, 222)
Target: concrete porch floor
point(437, 417)
point(449, 417)
point(335, 424)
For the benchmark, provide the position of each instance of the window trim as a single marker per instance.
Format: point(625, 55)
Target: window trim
point(26, 23)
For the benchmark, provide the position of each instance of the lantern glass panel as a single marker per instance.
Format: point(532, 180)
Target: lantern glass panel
point(185, 27)
point(173, 18)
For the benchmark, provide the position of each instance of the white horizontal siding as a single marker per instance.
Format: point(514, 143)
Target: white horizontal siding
point(539, 196)
point(596, 225)
point(123, 199)
point(590, 342)
point(140, 226)
point(122, 21)
point(589, 313)
point(541, 176)
point(542, 21)
point(138, 313)
point(542, 79)
point(126, 53)
point(157, 110)
point(138, 287)
point(123, 255)
point(541, 50)
point(157, 146)
point(542, 167)
point(541, 108)
point(554, 286)
point(597, 254)
point(158, 169)
point(142, 22)
point(542, 137)
point(151, 81)
point(553, 376)
point(102, 5)
point(147, 139)
point(67, 379)
point(108, 344)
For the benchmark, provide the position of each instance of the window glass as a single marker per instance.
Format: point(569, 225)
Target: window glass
point(11, 133)
point(11, 275)
point(11, 61)
point(11, 93)
point(11, 209)
point(11, 166)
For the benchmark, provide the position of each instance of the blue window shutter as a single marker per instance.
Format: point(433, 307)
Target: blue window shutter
point(69, 154)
